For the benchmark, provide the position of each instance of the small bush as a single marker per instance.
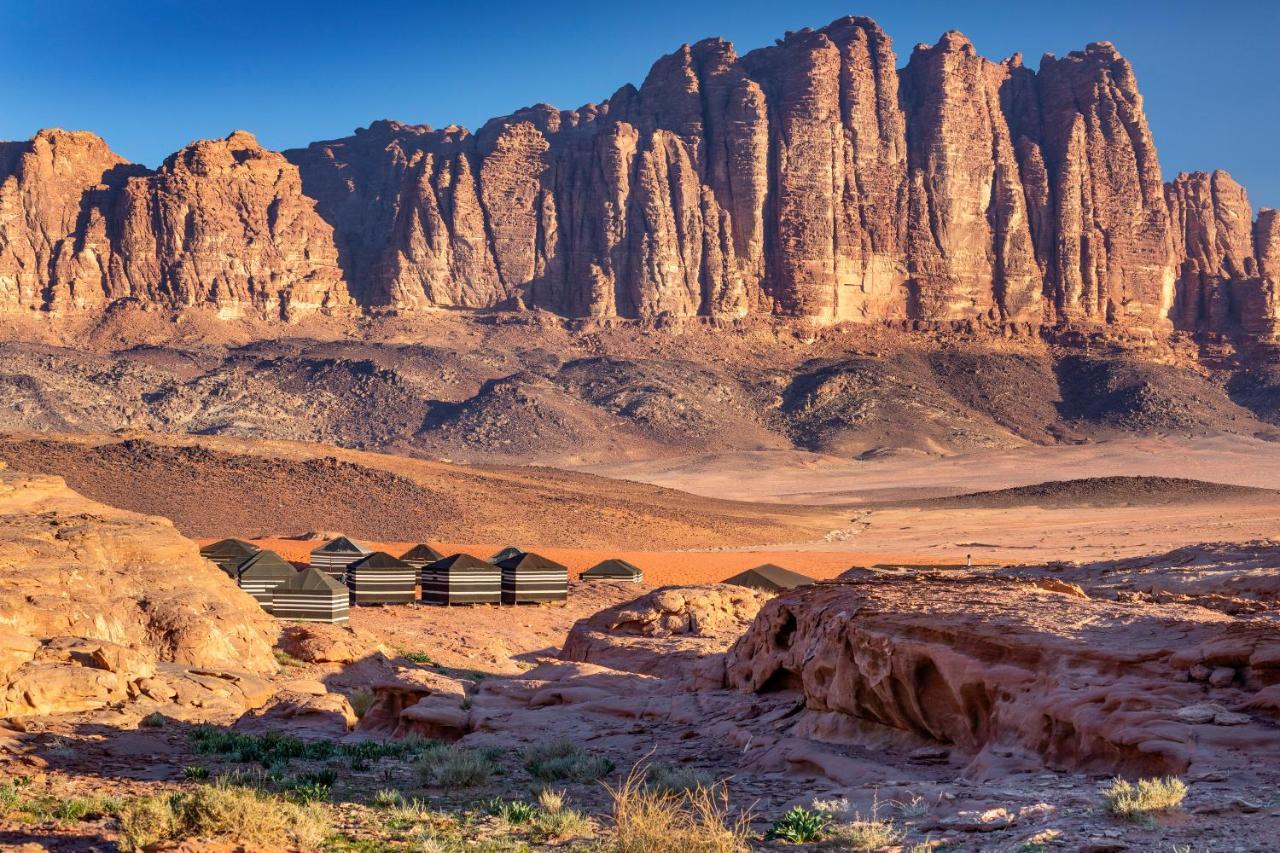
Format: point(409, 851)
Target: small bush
point(146, 821)
point(514, 812)
point(650, 821)
point(418, 657)
point(864, 834)
point(248, 817)
point(563, 761)
point(154, 720)
point(10, 796)
point(361, 701)
point(1138, 802)
point(800, 826)
point(195, 772)
point(550, 800)
point(388, 798)
point(454, 767)
point(676, 780)
point(561, 825)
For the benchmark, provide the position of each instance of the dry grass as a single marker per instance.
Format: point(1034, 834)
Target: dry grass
point(647, 820)
point(1139, 801)
point(454, 767)
point(863, 834)
point(241, 815)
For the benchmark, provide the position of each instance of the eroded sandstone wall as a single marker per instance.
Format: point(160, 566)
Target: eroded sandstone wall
point(812, 178)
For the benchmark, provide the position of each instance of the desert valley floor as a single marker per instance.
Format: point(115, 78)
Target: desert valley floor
point(1117, 619)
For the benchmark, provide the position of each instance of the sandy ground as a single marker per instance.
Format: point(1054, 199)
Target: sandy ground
point(869, 533)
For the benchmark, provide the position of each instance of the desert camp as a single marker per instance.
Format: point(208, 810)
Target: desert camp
point(337, 555)
point(311, 596)
point(461, 579)
point(769, 578)
point(261, 573)
point(382, 579)
point(228, 554)
point(613, 570)
point(530, 578)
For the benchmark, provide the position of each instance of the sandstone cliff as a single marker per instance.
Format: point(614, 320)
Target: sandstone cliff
point(811, 178)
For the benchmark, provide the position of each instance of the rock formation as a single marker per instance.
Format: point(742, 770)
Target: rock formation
point(1010, 670)
point(99, 606)
point(807, 179)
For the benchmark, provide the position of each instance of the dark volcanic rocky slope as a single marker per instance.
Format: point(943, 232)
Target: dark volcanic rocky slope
point(812, 178)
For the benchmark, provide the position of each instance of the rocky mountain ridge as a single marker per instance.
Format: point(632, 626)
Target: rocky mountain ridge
point(812, 178)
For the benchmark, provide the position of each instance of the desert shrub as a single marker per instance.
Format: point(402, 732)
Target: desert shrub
point(847, 829)
point(563, 761)
point(247, 816)
point(864, 834)
point(388, 798)
point(646, 820)
point(513, 812)
point(561, 825)
point(80, 808)
point(454, 767)
point(154, 720)
point(361, 701)
point(145, 821)
point(676, 779)
point(10, 796)
point(418, 657)
point(550, 800)
point(195, 772)
point(1139, 801)
point(800, 826)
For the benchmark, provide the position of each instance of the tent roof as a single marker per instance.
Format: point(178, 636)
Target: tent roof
point(229, 548)
point(267, 564)
point(530, 561)
point(342, 545)
point(613, 567)
point(460, 562)
point(311, 580)
point(378, 560)
point(769, 576)
point(505, 554)
point(422, 551)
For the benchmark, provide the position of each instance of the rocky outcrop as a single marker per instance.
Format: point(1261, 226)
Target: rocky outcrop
point(1218, 284)
point(807, 179)
point(99, 606)
point(1006, 671)
point(670, 631)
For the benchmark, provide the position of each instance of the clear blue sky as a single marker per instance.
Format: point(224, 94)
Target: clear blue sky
point(151, 76)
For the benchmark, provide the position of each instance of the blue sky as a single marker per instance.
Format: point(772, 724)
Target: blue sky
point(151, 76)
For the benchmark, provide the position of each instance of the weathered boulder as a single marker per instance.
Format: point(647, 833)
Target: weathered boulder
point(670, 631)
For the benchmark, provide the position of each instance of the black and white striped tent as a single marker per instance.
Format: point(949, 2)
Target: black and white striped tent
point(506, 554)
point(532, 577)
point(382, 579)
point(461, 579)
point(419, 555)
point(613, 570)
point(311, 596)
point(335, 556)
point(228, 554)
point(261, 573)
point(769, 578)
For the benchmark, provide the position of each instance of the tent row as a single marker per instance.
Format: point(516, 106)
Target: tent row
point(344, 572)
